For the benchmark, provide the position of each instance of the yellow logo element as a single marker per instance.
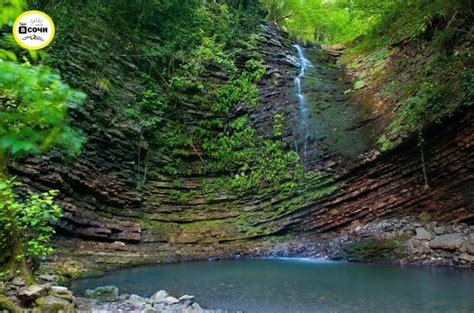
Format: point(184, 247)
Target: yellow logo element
point(33, 30)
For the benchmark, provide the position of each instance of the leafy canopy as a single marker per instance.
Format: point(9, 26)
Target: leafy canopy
point(316, 20)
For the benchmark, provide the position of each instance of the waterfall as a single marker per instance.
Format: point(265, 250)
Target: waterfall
point(302, 104)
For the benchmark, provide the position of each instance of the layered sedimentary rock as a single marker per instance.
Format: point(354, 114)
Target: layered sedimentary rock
point(113, 217)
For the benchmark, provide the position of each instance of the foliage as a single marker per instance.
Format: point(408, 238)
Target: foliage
point(395, 20)
point(10, 10)
point(278, 10)
point(9, 305)
point(414, 112)
point(316, 20)
point(240, 89)
point(359, 84)
point(277, 125)
point(34, 110)
point(436, 84)
point(253, 161)
point(30, 218)
point(34, 105)
point(467, 78)
point(182, 196)
point(344, 20)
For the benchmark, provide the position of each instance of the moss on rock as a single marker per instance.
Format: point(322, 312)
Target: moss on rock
point(372, 250)
point(7, 304)
point(52, 304)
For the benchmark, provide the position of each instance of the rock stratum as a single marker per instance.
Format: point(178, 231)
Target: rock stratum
point(111, 220)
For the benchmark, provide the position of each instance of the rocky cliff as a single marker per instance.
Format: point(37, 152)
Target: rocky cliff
point(113, 218)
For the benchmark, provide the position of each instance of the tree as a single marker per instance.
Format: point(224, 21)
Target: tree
point(33, 117)
point(280, 10)
point(316, 20)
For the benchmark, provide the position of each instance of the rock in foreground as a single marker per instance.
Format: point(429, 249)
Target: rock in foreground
point(103, 294)
point(160, 302)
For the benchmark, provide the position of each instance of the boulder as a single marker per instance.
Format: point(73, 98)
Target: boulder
point(422, 234)
point(470, 248)
point(159, 297)
point(150, 309)
point(447, 242)
point(48, 278)
point(440, 230)
point(136, 301)
point(103, 293)
point(123, 297)
point(33, 292)
point(186, 298)
point(17, 282)
point(63, 293)
point(197, 308)
point(60, 290)
point(55, 280)
point(52, 304)
point(467, 257)
point(171, 300)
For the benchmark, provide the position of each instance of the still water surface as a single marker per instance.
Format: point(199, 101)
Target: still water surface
point(300, 285)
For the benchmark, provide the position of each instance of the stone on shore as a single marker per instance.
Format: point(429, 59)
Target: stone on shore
point(33, 292)
point(186, 298)
point(171, 300)
point(447, 242)
point(52, 304)
point(137, 304)
point(63, 293)
point(422, 234)
point(197, 308)
point(103, 293)
point(159, 297)
point(467, 257)
point(137, 301)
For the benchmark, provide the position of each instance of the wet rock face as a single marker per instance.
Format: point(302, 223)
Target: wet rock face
point(111, 220)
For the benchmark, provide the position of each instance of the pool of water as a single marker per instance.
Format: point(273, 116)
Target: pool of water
point(300, 285)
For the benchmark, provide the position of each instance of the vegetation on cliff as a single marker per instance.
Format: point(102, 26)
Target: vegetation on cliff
point(435, 35)
point(183, 77)
point(434, 38)
point(180, 110)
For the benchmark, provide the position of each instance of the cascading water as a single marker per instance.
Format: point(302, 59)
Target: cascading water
point(302, 104)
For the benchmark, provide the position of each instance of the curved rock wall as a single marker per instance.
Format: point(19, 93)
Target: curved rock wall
point(110, 219)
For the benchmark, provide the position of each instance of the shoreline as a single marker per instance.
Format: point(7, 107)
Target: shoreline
point(406, 242)
point(48, 292)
